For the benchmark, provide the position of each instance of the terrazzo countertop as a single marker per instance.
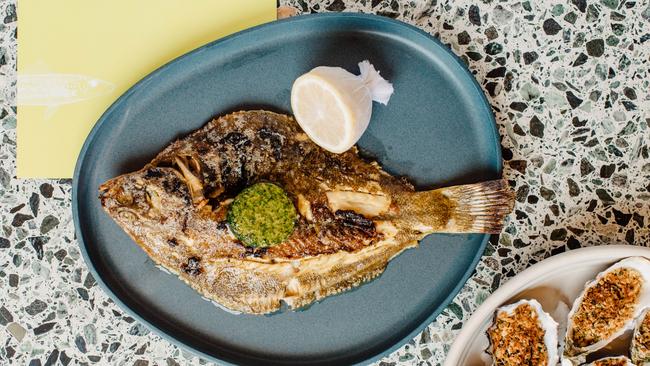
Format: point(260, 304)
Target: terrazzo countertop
point(569, 85)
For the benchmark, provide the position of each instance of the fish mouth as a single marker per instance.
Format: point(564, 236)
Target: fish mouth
point(116, 199)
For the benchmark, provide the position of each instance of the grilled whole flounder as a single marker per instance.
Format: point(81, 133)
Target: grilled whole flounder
point(353, 217)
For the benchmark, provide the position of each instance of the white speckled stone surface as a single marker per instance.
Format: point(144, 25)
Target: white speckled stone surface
point(569, 85)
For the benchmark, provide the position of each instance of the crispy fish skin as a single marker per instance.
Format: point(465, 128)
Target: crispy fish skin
point(354, 217)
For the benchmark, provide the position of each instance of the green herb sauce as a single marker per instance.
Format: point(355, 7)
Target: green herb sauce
point(262, 215)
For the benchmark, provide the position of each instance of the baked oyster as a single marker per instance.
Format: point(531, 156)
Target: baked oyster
point(606, 308)
point(523, 334)
point(640, 347)
point(612, 361)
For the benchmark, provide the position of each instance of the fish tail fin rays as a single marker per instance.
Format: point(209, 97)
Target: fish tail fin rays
point(470, 208)
point(478, 208)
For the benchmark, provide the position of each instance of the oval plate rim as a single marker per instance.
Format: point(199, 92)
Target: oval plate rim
point(491, 122)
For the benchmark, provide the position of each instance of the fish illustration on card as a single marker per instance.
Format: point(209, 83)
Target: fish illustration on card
point(53, 90)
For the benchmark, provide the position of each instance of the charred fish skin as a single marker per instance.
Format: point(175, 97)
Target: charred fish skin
point(353, 217)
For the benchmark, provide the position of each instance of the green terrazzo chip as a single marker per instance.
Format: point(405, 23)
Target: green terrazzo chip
point(262, 215)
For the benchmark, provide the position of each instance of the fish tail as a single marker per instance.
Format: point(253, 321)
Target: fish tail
point(478, 208)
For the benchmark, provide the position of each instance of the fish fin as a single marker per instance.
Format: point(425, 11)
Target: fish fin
point(478, 208)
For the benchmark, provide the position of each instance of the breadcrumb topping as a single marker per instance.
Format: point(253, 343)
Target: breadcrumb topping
point(606, 307)
point(611, 362)
point(642, 340)
point(517, 338)
point(643, 336)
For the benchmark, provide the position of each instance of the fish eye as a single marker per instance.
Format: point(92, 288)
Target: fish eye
point(124, 198)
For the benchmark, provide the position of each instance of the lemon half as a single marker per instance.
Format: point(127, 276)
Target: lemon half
point(334, 106)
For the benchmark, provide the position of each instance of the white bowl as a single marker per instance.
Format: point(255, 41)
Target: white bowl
point(557, 279)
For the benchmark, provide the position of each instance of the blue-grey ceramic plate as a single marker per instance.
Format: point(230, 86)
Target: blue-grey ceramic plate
point(437, 129)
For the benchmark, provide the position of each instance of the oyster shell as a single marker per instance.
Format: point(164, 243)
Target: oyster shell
point(640, 347)
point(612, 361)
point(607, 308)
point(523, 334)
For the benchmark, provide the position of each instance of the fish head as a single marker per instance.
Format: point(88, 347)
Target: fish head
point(146, 198)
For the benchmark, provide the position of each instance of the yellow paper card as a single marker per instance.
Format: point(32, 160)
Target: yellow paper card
point(75, 57)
